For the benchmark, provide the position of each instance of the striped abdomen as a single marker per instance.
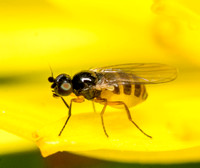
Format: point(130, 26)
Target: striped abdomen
point(123, 89)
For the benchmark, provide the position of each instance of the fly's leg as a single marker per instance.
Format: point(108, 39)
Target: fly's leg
point(93, 105)
point(130, 118)
point(111, 103)
point(69, 115)
point(65, 102)
point(129, 115)
point(78, 100)
point(105, 103)
point(102, 120)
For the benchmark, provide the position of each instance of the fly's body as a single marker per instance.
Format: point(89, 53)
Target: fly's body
point(120, 86)
point(93, 86)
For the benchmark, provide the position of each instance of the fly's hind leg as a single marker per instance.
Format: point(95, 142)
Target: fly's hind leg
point(111, 103)
point(129, 115)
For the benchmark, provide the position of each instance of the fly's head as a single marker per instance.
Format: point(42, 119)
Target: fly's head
point(62, 85)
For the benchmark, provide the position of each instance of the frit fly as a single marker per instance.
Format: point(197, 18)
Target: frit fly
point(120, 86)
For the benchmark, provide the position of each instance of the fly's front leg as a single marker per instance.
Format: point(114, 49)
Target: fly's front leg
point(78, 100)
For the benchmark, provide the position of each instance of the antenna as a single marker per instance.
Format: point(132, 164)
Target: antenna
point(51, 70)
point(51, 79)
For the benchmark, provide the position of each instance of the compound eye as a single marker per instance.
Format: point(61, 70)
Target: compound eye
point(66, 86)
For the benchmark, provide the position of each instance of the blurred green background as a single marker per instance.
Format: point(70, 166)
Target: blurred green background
point(33, 159)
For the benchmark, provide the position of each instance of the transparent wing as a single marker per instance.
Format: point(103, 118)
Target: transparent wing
point(137, 73)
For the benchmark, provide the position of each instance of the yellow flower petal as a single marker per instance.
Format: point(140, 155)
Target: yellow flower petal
point(177, 28)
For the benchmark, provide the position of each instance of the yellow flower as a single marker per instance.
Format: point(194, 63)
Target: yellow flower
point(71, 36)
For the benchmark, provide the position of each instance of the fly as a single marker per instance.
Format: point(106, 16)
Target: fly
point(119, 86)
